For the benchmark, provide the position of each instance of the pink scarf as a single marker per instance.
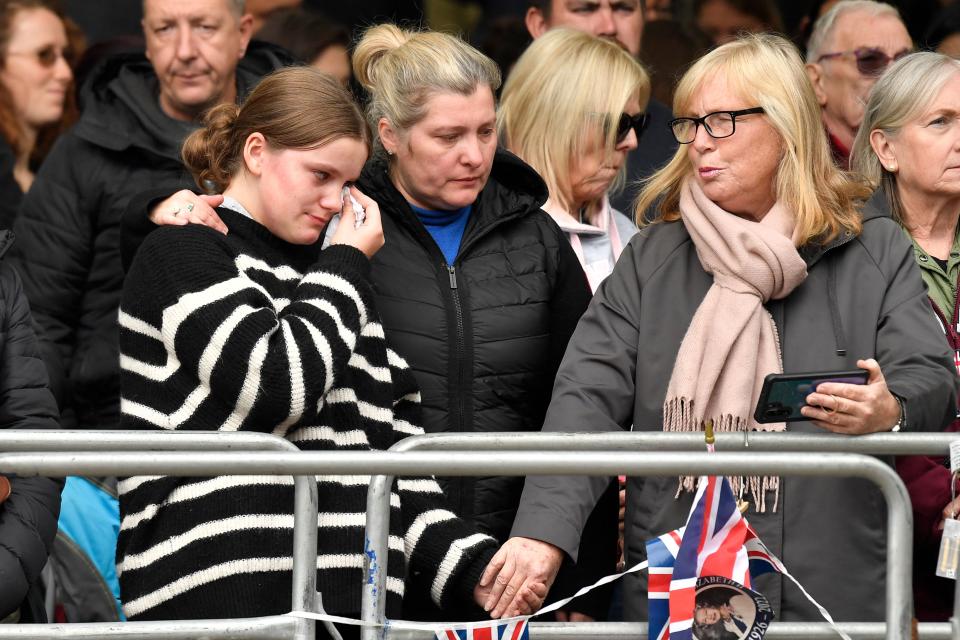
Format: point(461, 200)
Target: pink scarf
point(731, 343)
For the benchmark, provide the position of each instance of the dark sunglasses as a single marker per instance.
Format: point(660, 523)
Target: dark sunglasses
point(48, 56)
point(870, 60)
point(638, 123)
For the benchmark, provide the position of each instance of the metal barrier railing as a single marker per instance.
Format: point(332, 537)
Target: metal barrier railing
point(460, 463)
point(876, 444)
point(304, 581)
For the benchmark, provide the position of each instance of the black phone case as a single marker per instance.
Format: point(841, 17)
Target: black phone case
point(783, 394)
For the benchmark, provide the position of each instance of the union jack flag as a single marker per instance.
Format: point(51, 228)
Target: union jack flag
point(761, 560)
point(511, 630)
point(717, 541)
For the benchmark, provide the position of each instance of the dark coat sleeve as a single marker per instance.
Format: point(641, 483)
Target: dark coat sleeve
point(54, 250)
point(593, 391)
point(28, 518)
point(571, 295)
point(136, 225)
point(598, 543)
point(928, 482)
point(10, 193)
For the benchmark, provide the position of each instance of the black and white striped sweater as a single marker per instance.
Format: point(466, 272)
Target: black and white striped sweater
point(247, 332)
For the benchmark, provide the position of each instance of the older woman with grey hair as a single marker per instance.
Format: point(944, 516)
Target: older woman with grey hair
point(909, 145)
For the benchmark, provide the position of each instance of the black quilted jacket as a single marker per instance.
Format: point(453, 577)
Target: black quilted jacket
point(28, 518)
point(485, 335)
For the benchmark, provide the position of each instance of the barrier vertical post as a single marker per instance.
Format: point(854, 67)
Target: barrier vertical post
point(376, 542)
point(955, 620)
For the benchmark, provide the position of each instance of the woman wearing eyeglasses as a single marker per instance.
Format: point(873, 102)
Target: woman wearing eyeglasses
point(36, 93)
point(909, 146)
point(761, 259)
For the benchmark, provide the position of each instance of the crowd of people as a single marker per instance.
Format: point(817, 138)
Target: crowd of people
point(258, 220)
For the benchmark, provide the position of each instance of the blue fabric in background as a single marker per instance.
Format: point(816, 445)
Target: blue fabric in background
point(446, 227)
point(91, 518)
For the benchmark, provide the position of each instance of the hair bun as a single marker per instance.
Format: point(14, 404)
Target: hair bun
point(206, 149)
point(376, 42)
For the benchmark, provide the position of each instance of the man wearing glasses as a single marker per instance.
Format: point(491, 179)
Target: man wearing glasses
point(852, 44)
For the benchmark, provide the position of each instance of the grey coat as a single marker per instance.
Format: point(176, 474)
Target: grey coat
point(863, 297)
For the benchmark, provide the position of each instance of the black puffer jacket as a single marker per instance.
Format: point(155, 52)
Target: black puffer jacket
point(28, 518)
point(69, 224)
point(485, 335)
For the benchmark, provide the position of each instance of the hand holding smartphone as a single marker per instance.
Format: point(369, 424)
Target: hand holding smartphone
point(784, 394)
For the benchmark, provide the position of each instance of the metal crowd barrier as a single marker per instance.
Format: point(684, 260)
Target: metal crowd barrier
point(899, 592)
point(899, 598)
point(107, 443)
point(453, 461)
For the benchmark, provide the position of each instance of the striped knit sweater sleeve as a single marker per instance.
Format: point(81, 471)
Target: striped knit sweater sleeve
point(229, 333)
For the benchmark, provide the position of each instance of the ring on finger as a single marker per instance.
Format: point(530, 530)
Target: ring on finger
point(188, 207)
point(836, 405)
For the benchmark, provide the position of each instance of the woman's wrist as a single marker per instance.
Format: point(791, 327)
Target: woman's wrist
point(901, 415)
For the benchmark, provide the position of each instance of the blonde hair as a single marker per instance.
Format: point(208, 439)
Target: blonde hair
point(765, 70)
point(901, 94)
point(582, 83)
point(402, 70)
point(293, 108)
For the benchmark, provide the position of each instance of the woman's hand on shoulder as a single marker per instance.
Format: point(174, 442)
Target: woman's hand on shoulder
point(186, 207)
point(854, 409)
point(367, 236)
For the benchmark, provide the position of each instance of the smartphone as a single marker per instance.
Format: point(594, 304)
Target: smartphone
point(783, 394)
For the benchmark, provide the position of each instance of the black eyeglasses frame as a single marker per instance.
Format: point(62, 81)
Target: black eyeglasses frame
point(703, 121)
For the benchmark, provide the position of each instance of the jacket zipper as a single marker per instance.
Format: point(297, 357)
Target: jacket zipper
point(461, 347)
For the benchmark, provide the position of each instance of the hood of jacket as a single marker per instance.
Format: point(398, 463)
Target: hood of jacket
point(876, 206)
point(514, 189)
point(121, 108)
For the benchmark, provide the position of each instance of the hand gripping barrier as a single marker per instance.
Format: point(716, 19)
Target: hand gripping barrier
point(545, 460)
